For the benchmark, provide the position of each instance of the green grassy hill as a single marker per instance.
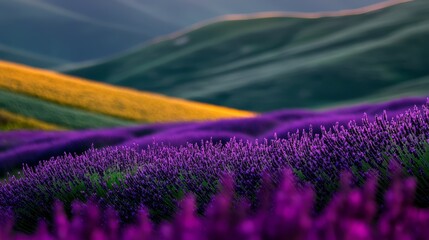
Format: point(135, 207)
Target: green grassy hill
point(37, 27)
point(32, 59)
point(34, 98)
point(78, 30)
point(267, 63)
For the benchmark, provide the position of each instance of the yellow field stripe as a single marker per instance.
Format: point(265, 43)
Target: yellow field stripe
point(12, 121)
point(107, 99)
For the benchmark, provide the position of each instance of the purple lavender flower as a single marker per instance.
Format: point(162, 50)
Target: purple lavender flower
point(352, 213)
point(127, 177)
point(31, 147)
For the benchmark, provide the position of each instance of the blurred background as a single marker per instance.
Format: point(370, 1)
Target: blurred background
point(252, 55)
point(55, 32)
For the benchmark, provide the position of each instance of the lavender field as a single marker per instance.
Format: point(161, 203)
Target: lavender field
point(349, 215)
point(254, 125)
point(30, 147)
point(151, 167)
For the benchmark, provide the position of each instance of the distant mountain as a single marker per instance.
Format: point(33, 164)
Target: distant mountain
point(39, 99)
point(187, 12)
point(73, 31)
point(263, 63)
point(53, 31)
point(36, 60)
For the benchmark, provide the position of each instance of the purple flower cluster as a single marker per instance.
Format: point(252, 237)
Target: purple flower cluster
point(286, 213)
point(126, 178)
point(30, 147)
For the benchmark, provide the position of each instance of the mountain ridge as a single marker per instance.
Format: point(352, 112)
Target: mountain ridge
point(108, 27)
point(312, 61)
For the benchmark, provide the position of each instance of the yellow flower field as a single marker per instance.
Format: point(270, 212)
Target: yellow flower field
point(106, 99)
point(11, 121)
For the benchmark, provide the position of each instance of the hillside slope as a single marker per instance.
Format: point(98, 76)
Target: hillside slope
point(186, 12)
point(268, 62)
point(81, 30)
point(32, 59)
point(70, 102)
point(40, 28)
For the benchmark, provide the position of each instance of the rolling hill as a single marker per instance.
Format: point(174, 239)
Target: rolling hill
point(265, 62)
point(39, 98)
point(36, 60)
point(39, 28)
point(81, 30)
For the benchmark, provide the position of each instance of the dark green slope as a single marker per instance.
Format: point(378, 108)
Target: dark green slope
point(186, 12)
point(120, 14)
point(16, 55)
point(273, 63)
point(35, 27)
point(80, 30)
point(56, 114)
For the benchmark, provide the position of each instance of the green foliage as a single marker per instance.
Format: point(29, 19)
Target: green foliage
point(48, 112)
point(311, 63)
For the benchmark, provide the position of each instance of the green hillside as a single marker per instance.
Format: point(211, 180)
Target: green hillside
point(268, 63)
point(35, 27)
point(49, 112)
point(41, 99)
point(80, 30)
point(36, 60)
